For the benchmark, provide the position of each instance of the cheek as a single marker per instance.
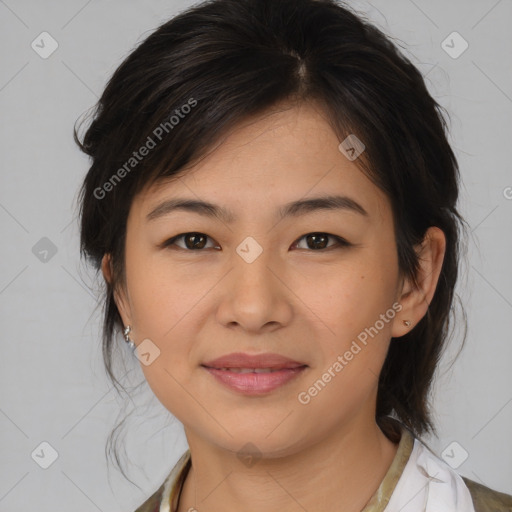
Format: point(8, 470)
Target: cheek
point(359, 308)
point(354, 297)
point(161, 295)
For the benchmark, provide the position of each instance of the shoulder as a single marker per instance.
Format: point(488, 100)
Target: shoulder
point(152, 504)
point(486, 499)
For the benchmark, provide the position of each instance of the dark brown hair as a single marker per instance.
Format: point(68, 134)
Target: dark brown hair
point(231, 59)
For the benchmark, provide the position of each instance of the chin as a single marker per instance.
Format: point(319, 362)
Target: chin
point(256, 439)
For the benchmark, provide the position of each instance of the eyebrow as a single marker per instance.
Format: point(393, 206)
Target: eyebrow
point(293, 209)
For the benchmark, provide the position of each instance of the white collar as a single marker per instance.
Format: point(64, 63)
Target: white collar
point(428, 484)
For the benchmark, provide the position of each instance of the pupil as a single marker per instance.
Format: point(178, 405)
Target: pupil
point(196, 245)
point(315, 239)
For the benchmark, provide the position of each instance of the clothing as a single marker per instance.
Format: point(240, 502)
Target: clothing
point(417, 481)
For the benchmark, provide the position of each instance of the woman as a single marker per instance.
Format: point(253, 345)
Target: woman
point(272, 203)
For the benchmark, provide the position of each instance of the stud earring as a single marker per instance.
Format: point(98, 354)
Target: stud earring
point(407, 323)
point(127, 338)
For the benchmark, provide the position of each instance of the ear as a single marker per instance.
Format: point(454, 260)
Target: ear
point(415, 299)
point(119, 297)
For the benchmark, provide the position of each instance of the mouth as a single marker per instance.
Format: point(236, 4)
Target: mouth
point(254, 374)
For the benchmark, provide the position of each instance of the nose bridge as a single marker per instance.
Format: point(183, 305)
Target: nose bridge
point(254, 297)
point(252, 264)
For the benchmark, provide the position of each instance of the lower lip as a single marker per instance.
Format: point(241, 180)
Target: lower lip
point(255, 383)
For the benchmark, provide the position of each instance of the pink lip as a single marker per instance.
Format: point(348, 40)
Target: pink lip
point(241, 360)
point(285, 369)
point(255, 383)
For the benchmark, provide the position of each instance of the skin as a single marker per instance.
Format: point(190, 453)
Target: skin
point(303, 302)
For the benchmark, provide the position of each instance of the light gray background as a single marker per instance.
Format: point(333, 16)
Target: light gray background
point(53, 388)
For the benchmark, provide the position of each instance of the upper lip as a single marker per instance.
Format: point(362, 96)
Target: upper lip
point(241, 360)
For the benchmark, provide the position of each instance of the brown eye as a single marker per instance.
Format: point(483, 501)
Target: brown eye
point(192, 241)
point(319, 241)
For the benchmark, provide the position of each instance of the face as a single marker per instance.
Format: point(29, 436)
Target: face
point(319, 287)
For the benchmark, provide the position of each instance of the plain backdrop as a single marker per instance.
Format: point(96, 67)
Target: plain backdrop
point(56, 405)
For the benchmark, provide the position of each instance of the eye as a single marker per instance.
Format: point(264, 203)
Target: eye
point(196, 241)
point(193, 241)
point(319, 240)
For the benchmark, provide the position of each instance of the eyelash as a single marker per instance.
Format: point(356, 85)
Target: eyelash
point(341, 243)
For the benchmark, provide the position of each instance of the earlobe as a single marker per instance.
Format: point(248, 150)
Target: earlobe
point(416, 296)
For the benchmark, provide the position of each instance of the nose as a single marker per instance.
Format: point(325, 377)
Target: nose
point(255, 296)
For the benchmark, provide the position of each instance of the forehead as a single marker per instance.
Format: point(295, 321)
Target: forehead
point(270, 160)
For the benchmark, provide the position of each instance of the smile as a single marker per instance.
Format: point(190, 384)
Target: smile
point(254, 381)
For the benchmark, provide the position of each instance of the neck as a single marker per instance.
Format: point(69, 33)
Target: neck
point(340, 472)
